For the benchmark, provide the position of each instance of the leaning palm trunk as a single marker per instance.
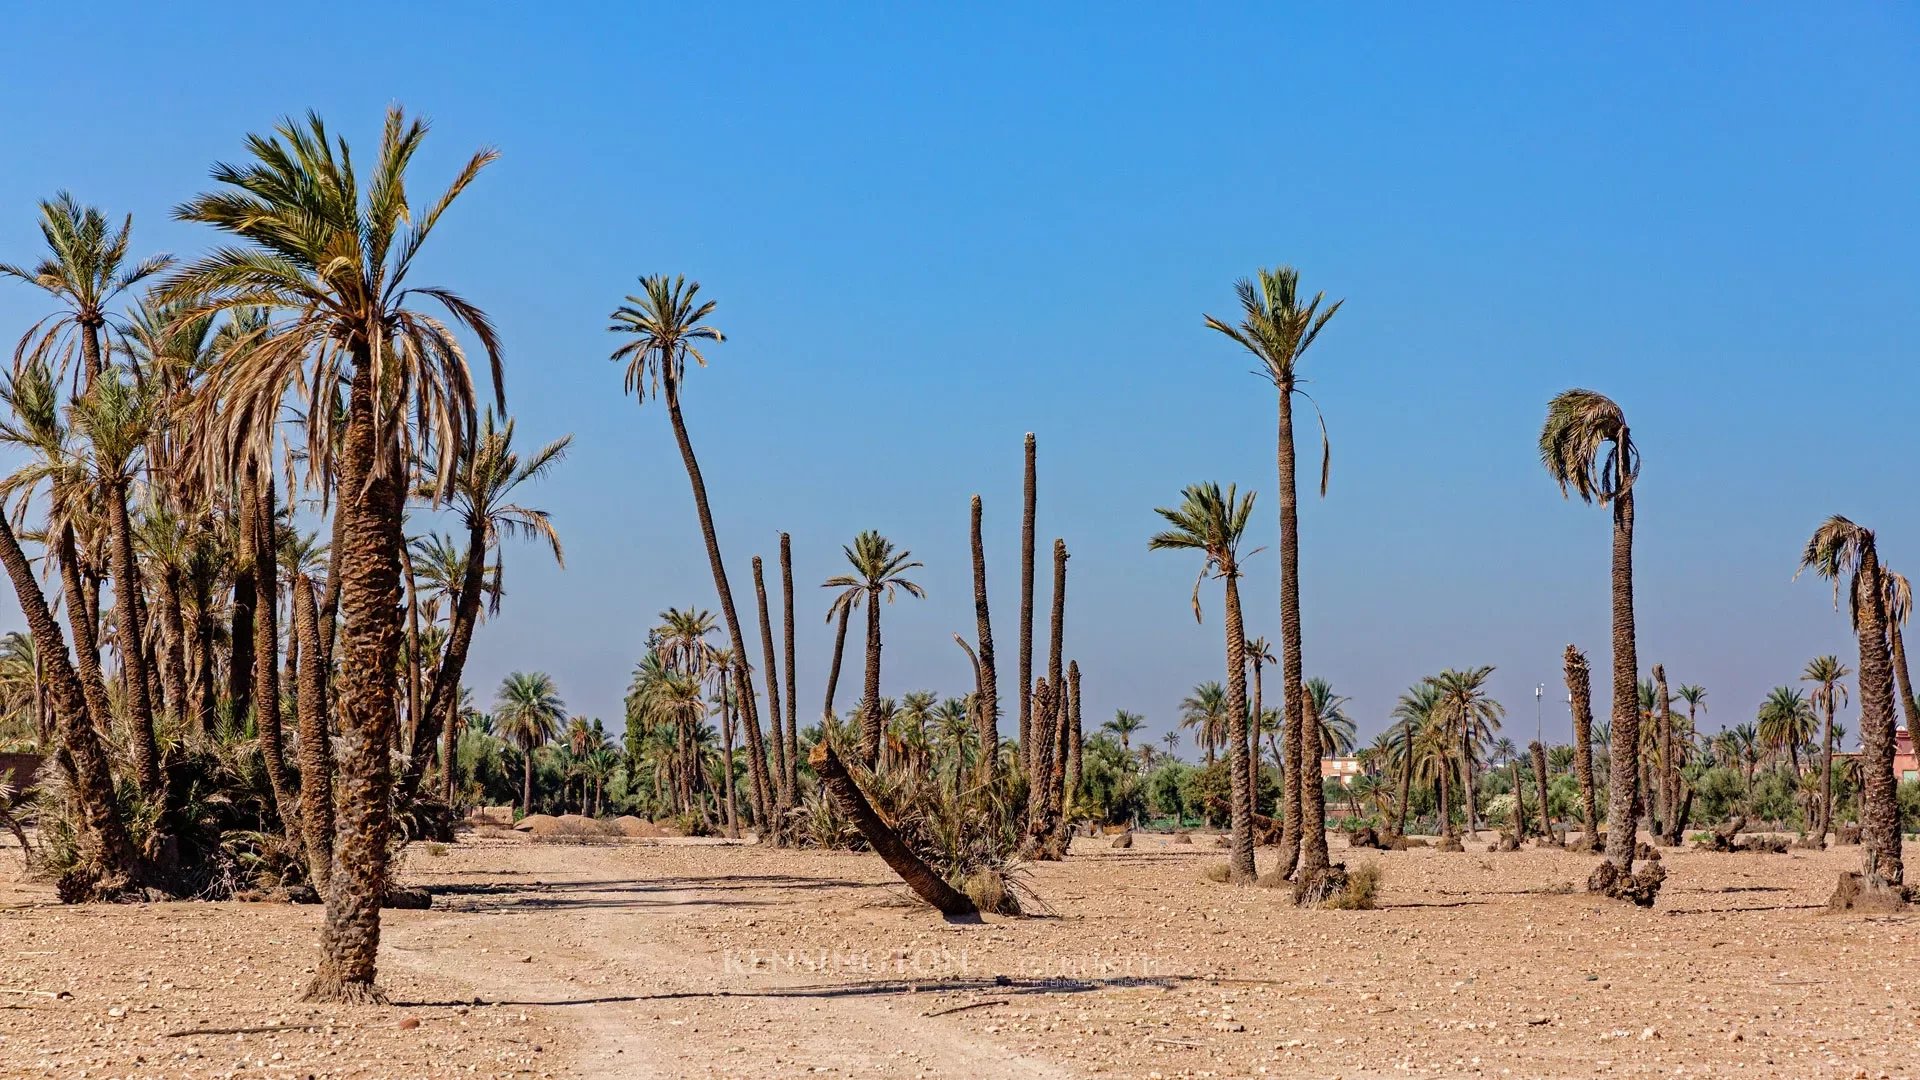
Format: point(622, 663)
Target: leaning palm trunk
point(986, 683)
point(369, 559)
point(1579, 690)
point(1909, 708)
point(1313, 798)
point(316, 754)
point(885, 842)
point(833, 669)
point(109, 863)
point(783, 796)
point(133, 659)
point(742, 680)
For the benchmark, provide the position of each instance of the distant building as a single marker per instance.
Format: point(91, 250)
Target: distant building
point(1346, 768)
point(1906, 766)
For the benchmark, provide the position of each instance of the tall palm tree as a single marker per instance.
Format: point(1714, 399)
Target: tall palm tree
point(481, 493)
point(330, 258)
point(1580, 704)
point(1213, 522)
point(1125, 724)
point(1029, 495)
point(85, 271)
point(1414, 710)
point(1472, 716)
point(1829, 693)
point(1588, 449)
point(877, 569)
point(1786, 722)
point(1435, 757)
point(1839, 548)
point(1259, 655)
point(527, 711)
point(1277, 326)
point(667, 325)
point(1205, 711)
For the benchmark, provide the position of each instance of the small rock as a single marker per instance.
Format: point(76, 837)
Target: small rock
point(410, 1022)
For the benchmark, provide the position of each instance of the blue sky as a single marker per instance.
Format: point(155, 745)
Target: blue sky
point(931, 231)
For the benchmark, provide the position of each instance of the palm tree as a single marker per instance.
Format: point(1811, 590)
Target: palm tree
point(1838, 548)
point(1580, 704)
point(1213, 523)
point(1337, 731)
point(1172, 741)
point(1205, 710)
point(987, 681)
point(1588, 449)
point(1124, 724)
point(1029, 495)
point(527, 712)
point(1472, 717)
point(1414, 709)
point(877, 569)
point(1434, 756)
point(331, 258)
point(1899, 604)
point(481, 493)
point(1829, 693)
point(1786, 722)
point(1260, 654)
point(1277, 328)
point(85, 271)
point(667, 327)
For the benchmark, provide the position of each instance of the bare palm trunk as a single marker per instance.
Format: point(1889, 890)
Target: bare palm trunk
point(885, 842)
point(370, 472)
point(1075, 736)
point(1519, 803)
point(133, 660)
point(266, 652)
point(1290, 649)
point(1029, 499)
point(987, 683)
point(316, 753)
point(872, 725)
point(793, 694)
point(1240, 867)
point(1313, 793)
point(1622, 828)
point(1580, 691)
point(107, 853)
point(784, 797)
point(1540, 781)
point(1909, 708)
point(1880, 810)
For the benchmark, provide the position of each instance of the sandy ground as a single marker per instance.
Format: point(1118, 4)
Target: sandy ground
point(685, 959)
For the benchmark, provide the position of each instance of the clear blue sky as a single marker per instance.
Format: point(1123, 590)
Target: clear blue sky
point(930, 231)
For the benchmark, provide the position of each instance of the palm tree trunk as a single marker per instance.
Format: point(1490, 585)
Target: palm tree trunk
point(793, 694)
point(987, 683)
point(1540, 781)
point(871, 725)
point(1909, 708)
point(266, 651)
point(1075, 735)
point(1290, 650)
point(726, 747)
point(833, 671)
point(1826, 773)
point(200, 640)
point(1468, 791)
point(885, 842)
point(526, 780)
point(1049, 729)
point(316, 754)
point(1880, 811)
point(106, 850)
point(1029, 501)
point(1313, 797)
point(240, 620)
point(369, 559)
point(173, 665)
point(1622, 828)
point(1519, 804)
point(86, 644)
point(1580, 690)
point(443, 695)
point(784, 797)
point(1665, 790)
point(1406, 776)
point(1240, 867)
point(133, 659)
point(408, 733)
point(742, 678)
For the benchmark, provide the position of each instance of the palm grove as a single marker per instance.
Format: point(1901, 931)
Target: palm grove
point(234, 472)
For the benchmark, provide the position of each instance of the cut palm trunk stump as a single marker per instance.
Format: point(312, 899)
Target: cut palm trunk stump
point(885, 842)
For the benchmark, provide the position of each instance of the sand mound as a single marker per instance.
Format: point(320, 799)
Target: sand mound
point(628, 825)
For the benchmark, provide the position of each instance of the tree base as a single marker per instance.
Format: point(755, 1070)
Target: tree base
point(331, 990)
point(1642, 888)
point(88, 885)
point(1123, 841)
point(1449, 843)
point(1507, 842)
point(1856, 893)
point(1316, 887)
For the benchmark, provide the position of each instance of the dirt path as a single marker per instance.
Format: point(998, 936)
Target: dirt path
point(649, 999)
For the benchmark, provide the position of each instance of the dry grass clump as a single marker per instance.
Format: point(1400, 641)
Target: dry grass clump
point(1183, 838)
point(989, 892)
point(1123, 841)
point(1361, 891)
point(1219, 873)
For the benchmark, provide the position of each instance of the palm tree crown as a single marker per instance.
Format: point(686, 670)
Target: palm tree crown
point(1211, 522)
